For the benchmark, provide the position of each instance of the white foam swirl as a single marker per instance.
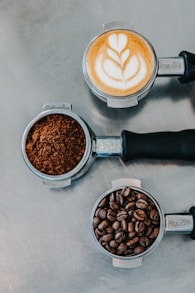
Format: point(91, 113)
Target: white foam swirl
point(119, 69)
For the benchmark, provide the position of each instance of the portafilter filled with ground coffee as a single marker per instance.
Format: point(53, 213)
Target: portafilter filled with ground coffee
point(59, 146)
point(120, 66)
point(127, 223)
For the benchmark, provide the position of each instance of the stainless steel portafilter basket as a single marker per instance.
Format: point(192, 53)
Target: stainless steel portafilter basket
point(180, 223)
point(129, 145)
point(181, 66)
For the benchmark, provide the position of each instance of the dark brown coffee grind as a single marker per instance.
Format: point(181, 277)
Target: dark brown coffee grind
point(55, 144)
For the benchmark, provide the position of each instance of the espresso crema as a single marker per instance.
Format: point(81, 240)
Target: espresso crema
point(120, 63)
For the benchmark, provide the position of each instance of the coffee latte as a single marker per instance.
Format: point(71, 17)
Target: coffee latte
point(119, 63)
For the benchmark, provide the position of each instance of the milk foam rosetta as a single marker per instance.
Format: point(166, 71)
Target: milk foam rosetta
point(120, 62)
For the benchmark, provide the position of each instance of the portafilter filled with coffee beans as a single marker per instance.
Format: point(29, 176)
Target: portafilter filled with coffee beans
point(120, 66)
point(59, 146)
point(127, 223)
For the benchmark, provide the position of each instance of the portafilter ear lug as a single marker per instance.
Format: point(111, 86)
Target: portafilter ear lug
point(192, 212)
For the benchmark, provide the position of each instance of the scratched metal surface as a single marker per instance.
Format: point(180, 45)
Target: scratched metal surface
point(45, 241)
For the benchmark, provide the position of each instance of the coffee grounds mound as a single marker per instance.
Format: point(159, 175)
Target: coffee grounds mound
point(55, 144)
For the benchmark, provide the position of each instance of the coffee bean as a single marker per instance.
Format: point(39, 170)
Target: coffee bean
point(96, 221)
point(107, 237)
point(140, 215)
point(99, 232)
point(130, 205)
point(103, 202)
point(139, 249)
point(142, 196)
point(124, 225)
point(113, 243)
point(119, 199)
point(112, 196)
point(122, 247)
point(102, 214)
point(144, 241)
point(131, 226)
point(132, 241)
point(114, 205)
point(104, 224)
point(154, 215)
point(147, 221)
point(132, 234)
point(126, 191)
point(121, 215)
point(109, 230)
point(154, 234)
point(132, 196)
point(126, 222)
point(141, 204)
point(120, 236)
point(116, 225)
point(139, 227)
point(111, 215)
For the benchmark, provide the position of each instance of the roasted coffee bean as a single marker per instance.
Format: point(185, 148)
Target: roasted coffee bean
point(103, 202)
point(130, 205)
point(139, 227)
point(109, 230)
point(102, 214)
point(116, 225)
point(147, 222)
point(149, 230)
point(132, 241)
point(132, 234)
point(144, 241)
point(120, 236)
point(122, 247)
point(154, 215)
point(114, 205)
point(97, 212)
point(126, 222)
point(142, 196)
point(121, 215)
point(113, 243)
point(141, 204)
point(96, 221)
point(103, 225)
point(132, 196)
point(131, 226)
point(156, 223)
point(126, 191)
point(112, 197)
point(139, 214)
point(107, 237)
point(99, 232)
point(130, 214)
point(128, 252)
point(154, 234)
point(124, 225)
point(111, 215)
point(119, 199)
point(139, 249)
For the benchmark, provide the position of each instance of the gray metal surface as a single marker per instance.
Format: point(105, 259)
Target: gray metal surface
point(45, 240)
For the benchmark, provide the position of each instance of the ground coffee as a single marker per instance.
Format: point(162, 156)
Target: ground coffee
point(55, 144)
point(126, 222)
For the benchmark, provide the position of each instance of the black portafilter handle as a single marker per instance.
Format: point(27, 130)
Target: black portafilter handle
point(159, 145)
point(192, 212)
point(189, 61)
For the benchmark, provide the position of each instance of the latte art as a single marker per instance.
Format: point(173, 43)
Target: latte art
point(120, 62)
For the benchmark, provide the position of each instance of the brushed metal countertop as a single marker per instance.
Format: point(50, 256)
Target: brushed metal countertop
point(45, 240)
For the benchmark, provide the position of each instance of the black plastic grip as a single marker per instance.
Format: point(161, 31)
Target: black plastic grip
point(192, 212)
point(159, 145)
point(189, 61)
